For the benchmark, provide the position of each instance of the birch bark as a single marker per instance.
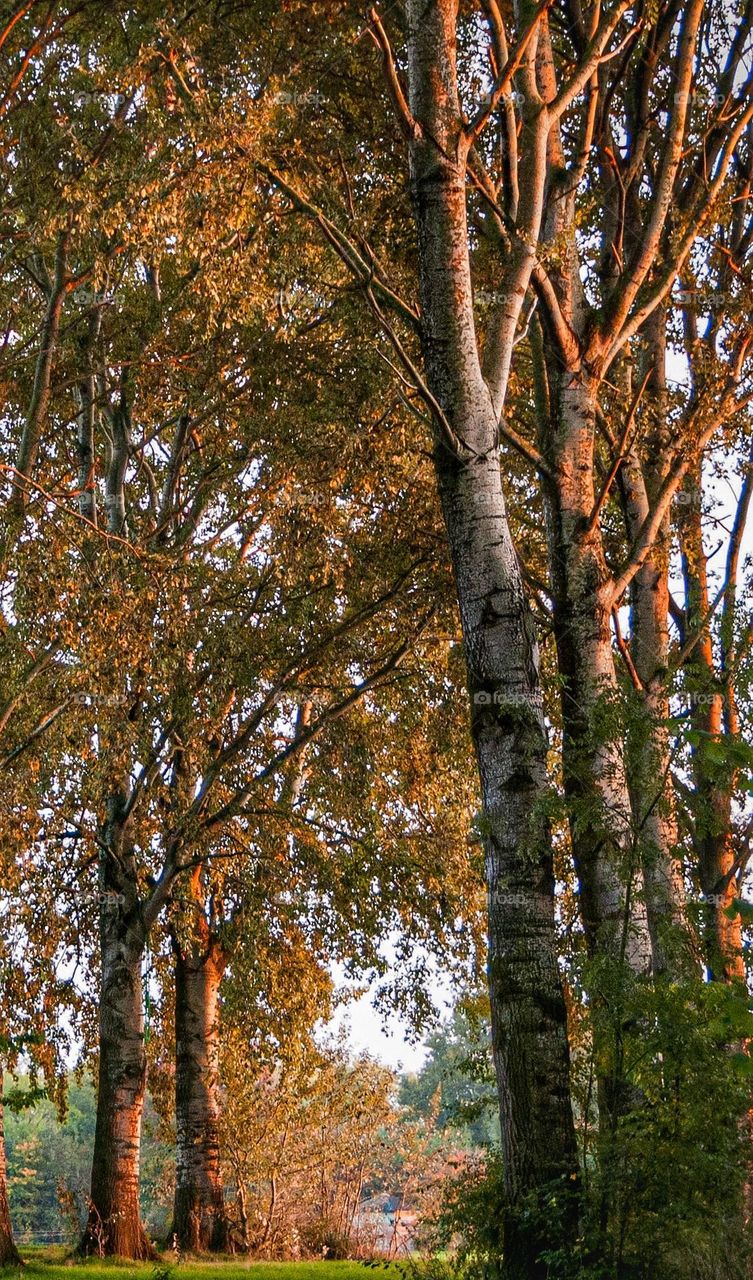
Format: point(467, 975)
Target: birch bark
point(199, 1220)
point(528, 1010)
point(605, 850)
point(114, 1223)
point(652, 790)
point(713, 786)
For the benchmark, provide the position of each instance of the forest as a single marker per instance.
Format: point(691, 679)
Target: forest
point(376, 464)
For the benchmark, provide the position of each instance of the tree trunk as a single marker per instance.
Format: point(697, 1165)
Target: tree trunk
point(28, 447)
point(9, 1255)
point(652, 787)
point(528, 1010)
point(655, 814)
point(114, 1224)
point(604, 842)
point(604, 846)
point(243, 1214)
point(713, 784)
point(612, 900)
point(200, 1223)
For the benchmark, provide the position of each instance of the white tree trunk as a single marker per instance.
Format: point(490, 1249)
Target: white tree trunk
point(528, 1009)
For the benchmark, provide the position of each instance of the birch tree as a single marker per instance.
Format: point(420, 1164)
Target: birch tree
point(180, 515)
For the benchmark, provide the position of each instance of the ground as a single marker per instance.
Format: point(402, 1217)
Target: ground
point(55, 1264)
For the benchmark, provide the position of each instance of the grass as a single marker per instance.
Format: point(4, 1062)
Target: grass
point(55, 1263)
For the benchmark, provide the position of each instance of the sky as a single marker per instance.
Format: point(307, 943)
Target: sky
point(384, 1035)
point(366, 1033)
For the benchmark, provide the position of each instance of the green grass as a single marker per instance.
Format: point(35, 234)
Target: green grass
point(55, 1263)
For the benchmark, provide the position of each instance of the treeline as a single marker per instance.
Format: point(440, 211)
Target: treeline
point(375, 588)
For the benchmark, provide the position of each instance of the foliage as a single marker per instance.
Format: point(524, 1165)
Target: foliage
point(312, 1141)
point(49, 1162)
point(226, 522)
point(674, 1171)
point(457, 1079)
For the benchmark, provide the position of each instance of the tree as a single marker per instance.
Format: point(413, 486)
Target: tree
point(309, 1138)
point(199, 1221)
point(189, 532)
point(458, 1077)
point(573, 105)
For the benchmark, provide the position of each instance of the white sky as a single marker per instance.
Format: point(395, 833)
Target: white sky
point(366, 1033)
point(384, 1035)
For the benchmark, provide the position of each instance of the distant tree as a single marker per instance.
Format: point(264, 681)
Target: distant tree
point(209, 578)
point(49, 1162)
point(456, 1083)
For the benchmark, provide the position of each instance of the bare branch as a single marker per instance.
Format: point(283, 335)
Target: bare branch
point(653, 522)
point(378, 34)
point(591, 60)
point(504, 79)
point(621, 456)
point(625, 653)
point(345, 248)
point(314, 730)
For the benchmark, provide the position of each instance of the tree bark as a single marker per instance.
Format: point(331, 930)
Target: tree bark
point(612, 900)
point(28, 447)
point(655, 816)
point(243, 1214)
point(9, 1255)
point(200, 1222)
point(114, 1224)
point(651, 783)
point(528, 1009)
point(713, 786)
point(85, 395)
point(604, 846)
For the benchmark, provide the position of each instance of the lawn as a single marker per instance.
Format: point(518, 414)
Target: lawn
point(55, 1263)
